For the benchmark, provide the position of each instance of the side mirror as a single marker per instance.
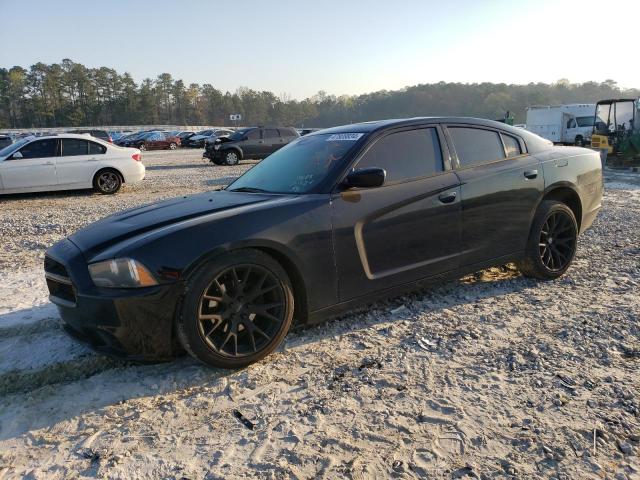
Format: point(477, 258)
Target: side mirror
point(366, 178)
point(17, 155)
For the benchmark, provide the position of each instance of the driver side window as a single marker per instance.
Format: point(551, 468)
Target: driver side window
point(253, 134)
point(40, 149)
point(405, 155)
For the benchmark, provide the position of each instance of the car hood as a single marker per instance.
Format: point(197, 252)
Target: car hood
point(109, 231)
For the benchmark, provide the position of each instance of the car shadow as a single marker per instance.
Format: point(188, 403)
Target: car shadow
point(92, 382)
point(44, 195)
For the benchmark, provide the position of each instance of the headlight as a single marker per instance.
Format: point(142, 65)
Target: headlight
point(121, 273)
point(216, 147)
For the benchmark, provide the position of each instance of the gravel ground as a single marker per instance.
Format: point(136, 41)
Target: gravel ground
point(490, 376)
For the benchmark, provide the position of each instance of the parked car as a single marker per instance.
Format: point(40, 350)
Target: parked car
point(335, 219)
point(198, 140)
point(185, 135)
point(67, 162)
point(153, 141)
point(252, 142)
point(5, 140)
point(122, 141)
point(101, 134)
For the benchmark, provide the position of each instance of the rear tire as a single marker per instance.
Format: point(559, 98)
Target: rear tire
point(238, 308)
point(579, 141)
point(142, 147)
point(552, 242)
point(107, 181)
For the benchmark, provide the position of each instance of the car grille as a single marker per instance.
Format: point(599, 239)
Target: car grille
point(61, 289)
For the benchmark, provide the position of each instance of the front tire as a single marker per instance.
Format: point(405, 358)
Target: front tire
point(107, 181)
point(142, 147)
point(579, 141)
point(552, 242)
point(231, 158)
point(173, 146)
point(237, 310)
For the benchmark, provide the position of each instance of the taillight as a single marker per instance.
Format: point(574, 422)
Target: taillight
point(137, 157)
point(110, 139)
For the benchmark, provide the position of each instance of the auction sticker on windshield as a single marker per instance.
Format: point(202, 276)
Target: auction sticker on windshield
point(344, 137)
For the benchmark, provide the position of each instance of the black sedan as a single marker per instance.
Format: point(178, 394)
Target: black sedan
point(335, 219)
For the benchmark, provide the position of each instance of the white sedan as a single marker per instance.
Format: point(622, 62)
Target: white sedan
point(67, 162)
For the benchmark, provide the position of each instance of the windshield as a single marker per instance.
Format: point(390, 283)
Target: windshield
point(239, 134)
point(298, 167)
point(585, 121)
point(14, 146)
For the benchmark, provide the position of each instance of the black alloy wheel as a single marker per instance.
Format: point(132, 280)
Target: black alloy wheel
point(237, 310)
point(241, 310)
point(552, 242)
point(557, 241)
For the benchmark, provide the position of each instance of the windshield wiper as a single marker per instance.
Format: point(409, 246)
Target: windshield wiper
point(249, 190)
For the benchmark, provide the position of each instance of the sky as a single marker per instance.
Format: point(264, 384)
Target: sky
point(297, 48)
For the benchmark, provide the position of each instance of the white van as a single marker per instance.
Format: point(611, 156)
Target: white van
point(564, 124)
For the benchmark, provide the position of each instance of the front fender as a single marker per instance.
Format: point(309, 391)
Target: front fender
point(297, 229)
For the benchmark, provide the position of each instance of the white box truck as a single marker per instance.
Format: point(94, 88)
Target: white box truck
point(565, 124)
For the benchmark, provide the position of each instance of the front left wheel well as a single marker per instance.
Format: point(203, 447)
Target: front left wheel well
point(300, 312)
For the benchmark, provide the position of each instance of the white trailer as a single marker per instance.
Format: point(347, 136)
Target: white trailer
point(565, 124)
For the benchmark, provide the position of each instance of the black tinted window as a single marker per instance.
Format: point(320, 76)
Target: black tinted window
point(253, 134)
point(73, 146)
point(39, 149)
point(511, 145)
point(271, 133)
point(406, 155)
point(96, 148)
point(475, 146)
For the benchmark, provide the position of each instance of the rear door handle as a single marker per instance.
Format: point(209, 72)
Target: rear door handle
point(447, 197)
point(531, 174)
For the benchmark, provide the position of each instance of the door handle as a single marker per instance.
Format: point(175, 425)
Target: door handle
point(531, 174)
point(48, 163)
point(447, 197)
point(93, 159)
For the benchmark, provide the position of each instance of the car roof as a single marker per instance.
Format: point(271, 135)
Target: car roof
point(82, 136)
point(367, 127)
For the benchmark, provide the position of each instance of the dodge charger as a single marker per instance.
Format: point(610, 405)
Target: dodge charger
point(336, 219)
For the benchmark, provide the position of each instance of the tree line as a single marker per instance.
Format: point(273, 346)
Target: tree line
point(69, 94)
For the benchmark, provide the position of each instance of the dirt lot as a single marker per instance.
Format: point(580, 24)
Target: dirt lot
point(490, 376)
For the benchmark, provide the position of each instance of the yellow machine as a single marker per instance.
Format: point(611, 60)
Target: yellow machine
point(616, 127)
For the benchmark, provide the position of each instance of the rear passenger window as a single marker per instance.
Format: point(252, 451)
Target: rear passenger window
point(286, 132)
point(406, 155)
point(72, 147)
point(475, 146)
point(271, 133)
point(96, 148)
point(511, 145)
